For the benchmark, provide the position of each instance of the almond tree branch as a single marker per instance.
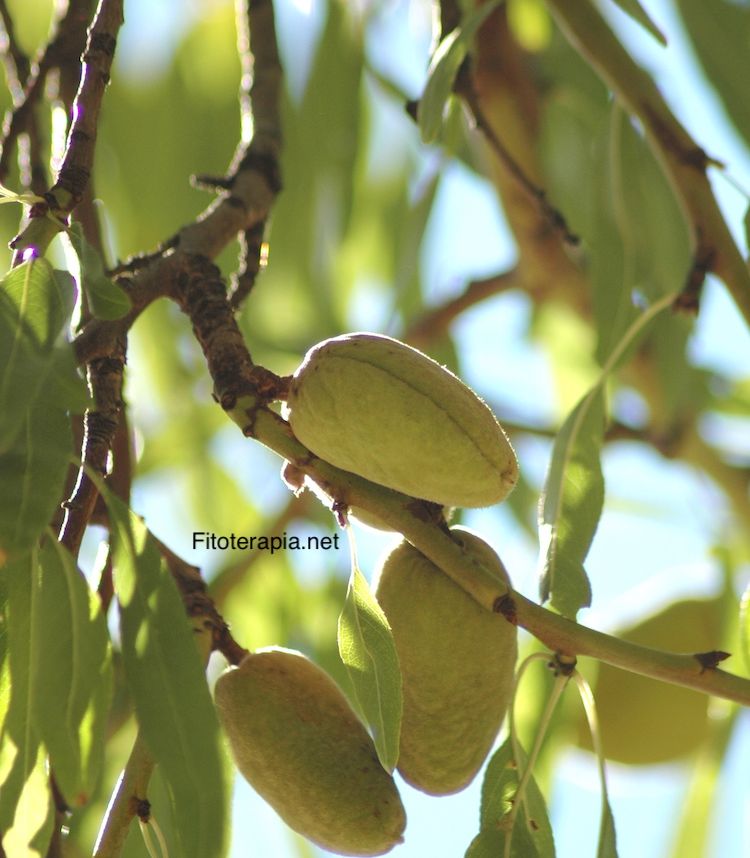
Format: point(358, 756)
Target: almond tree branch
point(682, 159)
point(64, 43)
point(409, 516)
point(50, 217)
point(252, 187)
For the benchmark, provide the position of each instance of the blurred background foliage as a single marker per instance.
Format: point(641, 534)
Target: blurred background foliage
point(435, 245)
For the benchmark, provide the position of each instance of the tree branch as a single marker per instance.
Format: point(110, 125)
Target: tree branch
point(408, 516)
point(123, 807)
point(682, 159)
point(50, 217)
point(66, 42)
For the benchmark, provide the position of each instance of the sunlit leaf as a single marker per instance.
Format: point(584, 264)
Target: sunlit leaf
point(719, 32)
point(35, 306)
point(369, 653)
point(26, 812)
point(571, 505)
point(744, 630)
point(8, 196)
point(28, 832)
point(71, 674)
point(168, 684)
point(33, 470)
point(106, 300)
point(444, 66)
point(636, 11)
point(531, 836)
point(692, 836)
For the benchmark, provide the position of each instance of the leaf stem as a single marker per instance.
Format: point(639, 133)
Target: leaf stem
point(525, 776)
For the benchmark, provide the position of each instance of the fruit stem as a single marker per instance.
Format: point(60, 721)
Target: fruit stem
point(606, 824)
point(525, 774)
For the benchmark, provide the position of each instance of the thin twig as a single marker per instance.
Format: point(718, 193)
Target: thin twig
point(465, 88)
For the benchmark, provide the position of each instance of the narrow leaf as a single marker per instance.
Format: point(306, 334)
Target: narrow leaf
point(29, 831)
point(35, 307)
point(444, 66)
point(25, 804)
point(607, 845)
point(105, 298)
point(719, 32)
point(33, 470)
point(744, 629)
point(167, 680)
point(71, 666)
point(532, 833)
point(490, 844)
point(636, 11)
point(571, 504)
point(573, 493)
point(700, 807)
point(367, 649)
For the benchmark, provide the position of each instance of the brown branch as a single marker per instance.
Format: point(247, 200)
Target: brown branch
point(465, 88)
point(251, 262)
point(100, 424)
point(17, 64)
point(49, 217)
point(251, 190)
point(67, 40)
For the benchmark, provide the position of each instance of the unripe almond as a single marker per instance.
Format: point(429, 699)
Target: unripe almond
point(376, 407)
point(457, 662)
point(300, 745)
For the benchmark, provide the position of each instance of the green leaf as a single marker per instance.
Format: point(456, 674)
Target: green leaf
point(29, 831)
point(636, 11)
point(367, 649)
point(571, 505)
point(166, 677)
point(26, 812)
point(693, 834)
point(33, 469)
point(571, 502)
point(607, 846)
point(71, 676)
point(532, 833)
point(106, 300)
point(719, 32)
point(35, 362)
point(490, 844)
point(744, 629)
point(444, 66)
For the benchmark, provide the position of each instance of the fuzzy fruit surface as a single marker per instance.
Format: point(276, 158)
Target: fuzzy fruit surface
point(300, 745)
point(644, 721)
point(376, 407)
point(457, 662)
